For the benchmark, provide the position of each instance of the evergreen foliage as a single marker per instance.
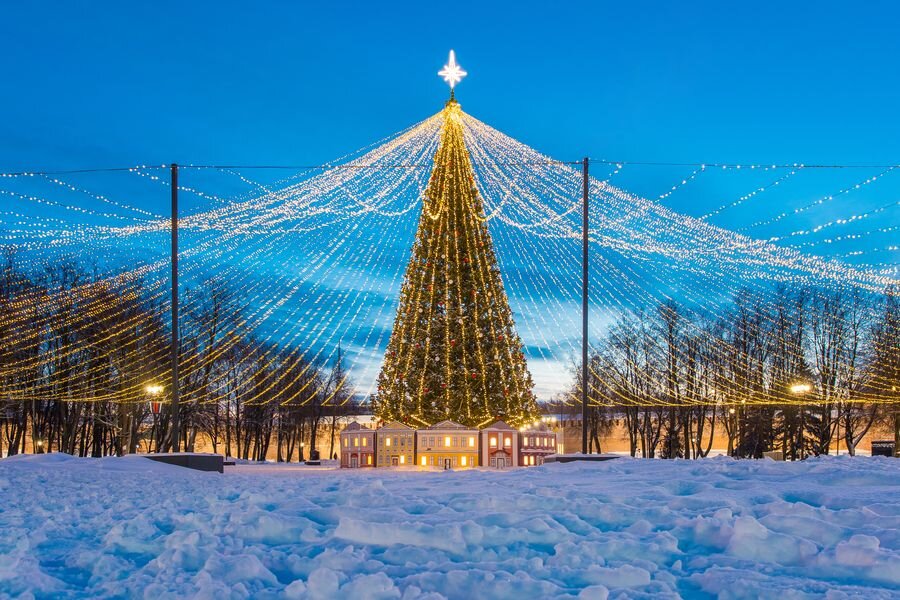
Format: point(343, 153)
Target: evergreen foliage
point(454, 352)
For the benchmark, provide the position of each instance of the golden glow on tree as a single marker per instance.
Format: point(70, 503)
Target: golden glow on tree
point(800, 388)
point(454, 352)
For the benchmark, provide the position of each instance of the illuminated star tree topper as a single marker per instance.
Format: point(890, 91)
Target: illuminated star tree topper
point(452, 72)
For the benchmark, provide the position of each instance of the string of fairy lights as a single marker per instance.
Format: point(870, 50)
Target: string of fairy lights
point(315, 261)
point(641, 295)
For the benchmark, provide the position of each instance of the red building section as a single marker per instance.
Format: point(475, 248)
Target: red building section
point(535, 445)
point(499, 446)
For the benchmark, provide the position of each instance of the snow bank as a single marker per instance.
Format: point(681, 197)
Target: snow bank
point(620, 529)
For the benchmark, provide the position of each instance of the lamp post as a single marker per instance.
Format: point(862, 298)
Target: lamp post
point(585, 192)
point(801, 389)
point(732, 412)
point(154, 390)
point(896, 423)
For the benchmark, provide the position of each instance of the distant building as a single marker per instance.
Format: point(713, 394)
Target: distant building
point(396, 444)
point(357, 446)
point(535, 444)
point(447, 445)
point(499, 446)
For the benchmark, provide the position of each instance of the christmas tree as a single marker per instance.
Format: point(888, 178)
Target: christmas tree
point(454, 352)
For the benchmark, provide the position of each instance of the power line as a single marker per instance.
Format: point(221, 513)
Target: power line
point(75, 171)
point(331, 167)
point(711, 165)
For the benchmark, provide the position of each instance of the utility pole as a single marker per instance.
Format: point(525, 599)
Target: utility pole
point(176, 433)
point(584, 306)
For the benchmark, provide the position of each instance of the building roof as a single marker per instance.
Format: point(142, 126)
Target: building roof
point(448, 425)
point(354, 426)
point(500, 425)
point(396, 425)
point(540, 428)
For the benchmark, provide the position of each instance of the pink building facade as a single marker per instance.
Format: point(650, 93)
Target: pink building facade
point(536, 444)
point(357, 446)
point(499, 446)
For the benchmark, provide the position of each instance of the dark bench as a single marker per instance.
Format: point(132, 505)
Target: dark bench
point(566, 458)
point(198, 462)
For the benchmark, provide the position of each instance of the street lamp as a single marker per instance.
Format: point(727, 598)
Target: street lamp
point(734, 434)
point(801, 389)
point(154, 390)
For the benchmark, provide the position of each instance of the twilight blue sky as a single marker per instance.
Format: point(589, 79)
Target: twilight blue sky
point(107, 83)
point(99, 84)
point(111, 83)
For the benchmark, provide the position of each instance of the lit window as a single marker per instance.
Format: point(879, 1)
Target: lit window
point(424, 461)
point(346, 442)
point(387, 441)
point(447, 441)
point(402, 459)
point(507, 441)
point(365, 441)
point(356, 441)
point(531, 441)
point(463, 461)
point(471, 441)
point(493, 442)
point(369, 459)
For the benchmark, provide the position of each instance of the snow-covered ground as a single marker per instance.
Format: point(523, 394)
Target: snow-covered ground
point(626, 528)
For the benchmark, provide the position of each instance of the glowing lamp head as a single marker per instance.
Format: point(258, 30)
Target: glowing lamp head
point(801, 388)
point(154, 389)
point(452, 73)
